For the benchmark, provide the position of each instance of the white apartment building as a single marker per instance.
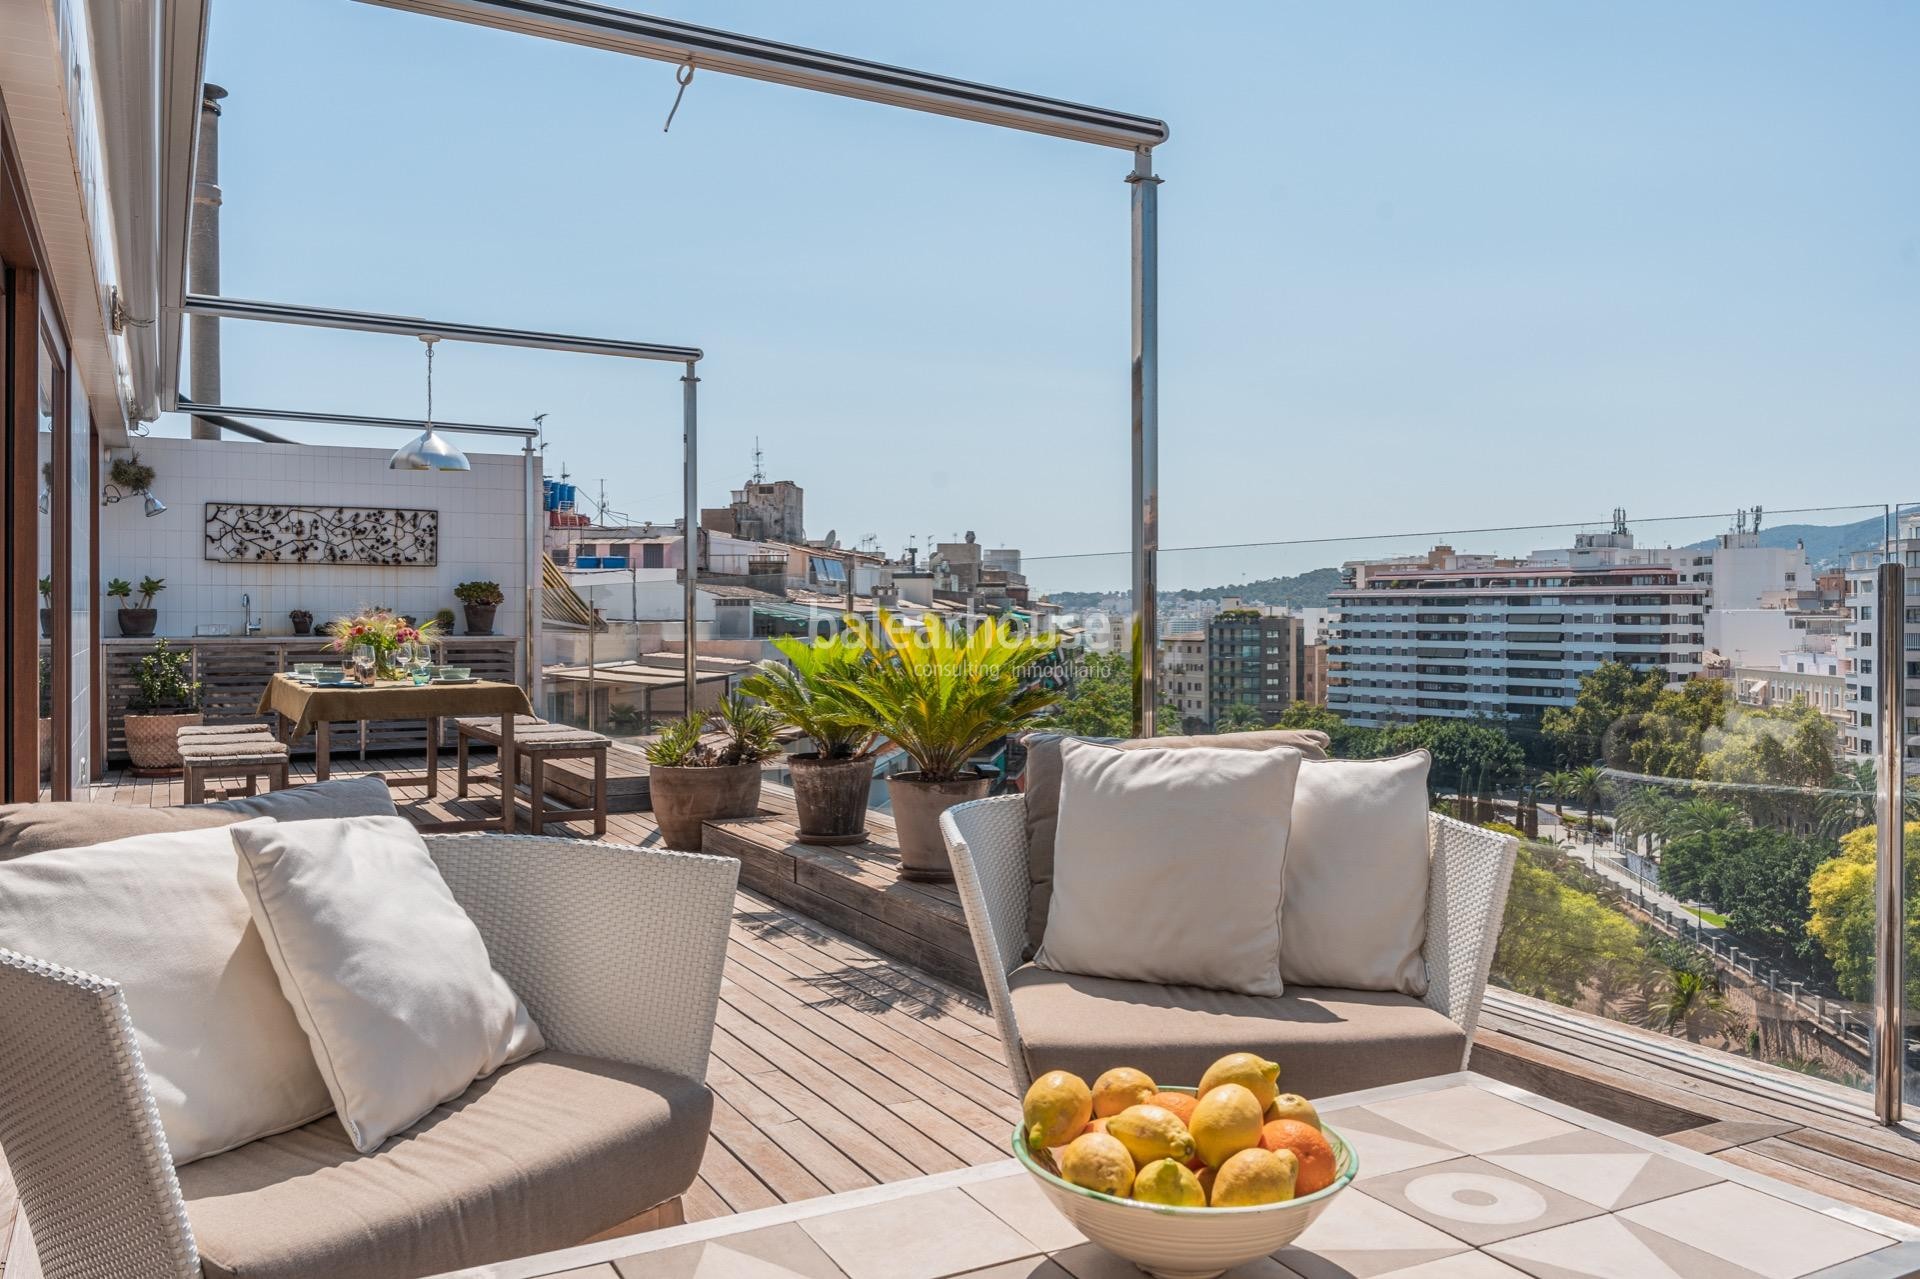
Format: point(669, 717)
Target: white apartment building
point(1183, 674)
point(1862, 666)
point(1470, 636)
point(1800, 675)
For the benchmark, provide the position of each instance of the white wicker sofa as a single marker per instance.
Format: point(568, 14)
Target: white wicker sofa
point(1327, 1041)
point(617, 953)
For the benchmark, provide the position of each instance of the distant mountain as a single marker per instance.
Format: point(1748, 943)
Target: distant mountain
point(1307, 590)
point(1828, 545)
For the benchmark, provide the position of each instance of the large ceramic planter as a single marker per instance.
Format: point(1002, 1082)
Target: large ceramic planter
point(150, 740)
point(831, 796)
point(46, 622)
point(686, 798)
point(480, 618)
point(917, 806)
point(137, 623)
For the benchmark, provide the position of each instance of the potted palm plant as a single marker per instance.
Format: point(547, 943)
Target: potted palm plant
point(166, 698)
point(809, 691)
point(694, 781)
point(480, 600)
point(136, 621)
point(943, 699)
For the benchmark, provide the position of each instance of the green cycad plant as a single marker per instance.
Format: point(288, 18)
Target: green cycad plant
point(943, 699)
point(813, 691)
point(750, 730)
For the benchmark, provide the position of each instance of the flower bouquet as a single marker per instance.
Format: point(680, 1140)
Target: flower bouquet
point(385, 633)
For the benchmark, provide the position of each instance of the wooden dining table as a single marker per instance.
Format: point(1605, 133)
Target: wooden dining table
point(300, 707)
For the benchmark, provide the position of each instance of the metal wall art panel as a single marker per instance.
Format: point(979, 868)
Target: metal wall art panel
point(272, 533)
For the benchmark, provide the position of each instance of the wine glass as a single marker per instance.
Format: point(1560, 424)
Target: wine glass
point(365, 661)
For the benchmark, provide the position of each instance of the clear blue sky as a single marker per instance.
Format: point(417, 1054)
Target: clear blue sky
point(1425, 266)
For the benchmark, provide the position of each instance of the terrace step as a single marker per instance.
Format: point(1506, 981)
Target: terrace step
point(855, 888)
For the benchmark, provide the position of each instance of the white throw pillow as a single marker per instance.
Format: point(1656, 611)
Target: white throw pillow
point(388, 976)
point(161, 915)
point(1357, 872)
point(1168, 865)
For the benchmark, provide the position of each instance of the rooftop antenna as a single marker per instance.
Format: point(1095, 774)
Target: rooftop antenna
point(759, 471)
point(1620, 519)
point(540, 424)
point(1756, 519)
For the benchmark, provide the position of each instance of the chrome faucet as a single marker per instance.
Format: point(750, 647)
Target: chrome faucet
point(246, 602)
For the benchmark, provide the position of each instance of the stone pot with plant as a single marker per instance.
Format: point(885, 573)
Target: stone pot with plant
point(694, 781)
point(166, 698)
point(809, 690)
point(131, 474)
point(480, 600)
point(136, 621)
point(302, 620)
point(46, 610)
point(944, 699)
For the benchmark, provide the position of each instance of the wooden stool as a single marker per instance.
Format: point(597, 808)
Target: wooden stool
point(539, 746)
point(255, 755)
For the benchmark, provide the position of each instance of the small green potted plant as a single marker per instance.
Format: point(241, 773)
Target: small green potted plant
point(693, 782)
point(136, 621)
point(443, 621)
point(832, 782)
point(480, 600)
point(944, 699)
point(46, 606)
point(166, 698)
point(131, 474)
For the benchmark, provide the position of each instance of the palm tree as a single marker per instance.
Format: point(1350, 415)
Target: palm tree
point(1589, 786)
point(1700, 817)
point(1692, 1004)
point(1559, 785)
point(1239, 718)
point(1848, 802)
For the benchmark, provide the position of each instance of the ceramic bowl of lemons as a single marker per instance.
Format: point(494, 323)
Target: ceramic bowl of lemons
point(1183, 1243)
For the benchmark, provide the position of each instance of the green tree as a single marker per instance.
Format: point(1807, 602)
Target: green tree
point(1841, 898)
point(1557, 940)
point(1609, 694)
point(1786, 747)
point(1099, 703)
point(1668, 739)
point(1238, 718)
point(1558, 784)
point(1588, 787)
point(1758, 877)
point(1307, 715)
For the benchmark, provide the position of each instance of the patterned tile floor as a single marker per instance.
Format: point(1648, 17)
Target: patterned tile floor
point(1461, 1177)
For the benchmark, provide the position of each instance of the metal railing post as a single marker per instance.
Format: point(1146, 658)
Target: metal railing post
point(1890, 865)
point(690, 571)
point(1146, 440)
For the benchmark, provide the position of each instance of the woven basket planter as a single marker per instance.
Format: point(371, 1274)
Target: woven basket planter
point(150, 740)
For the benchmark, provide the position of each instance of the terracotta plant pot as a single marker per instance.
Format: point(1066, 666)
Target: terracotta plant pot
point(831, 795)
point(137, 623)
point(480, 618)
point(685, 798)
point(150, 740)
point(917, 806)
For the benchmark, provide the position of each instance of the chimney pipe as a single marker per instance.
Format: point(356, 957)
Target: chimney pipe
point(203, 260)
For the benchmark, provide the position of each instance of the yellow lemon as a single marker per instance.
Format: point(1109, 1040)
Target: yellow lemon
point(1055, 1109)
point(1226, 1121)
point(1291, 1105)
point(1098, 1162)
point(1166, 1182)
point(1119, 1088)
point(1150, 1133)
point(1250, 1070)
point(1255, 1177)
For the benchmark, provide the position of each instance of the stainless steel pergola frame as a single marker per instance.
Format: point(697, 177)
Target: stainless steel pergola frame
point(418, 326)
point(705, 48)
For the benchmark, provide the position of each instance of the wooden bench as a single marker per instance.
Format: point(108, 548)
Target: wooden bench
point(539, 743)
point(239, 751)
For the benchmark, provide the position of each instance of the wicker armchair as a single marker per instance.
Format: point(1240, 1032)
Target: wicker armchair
point(617, 953)
point(1471, 869)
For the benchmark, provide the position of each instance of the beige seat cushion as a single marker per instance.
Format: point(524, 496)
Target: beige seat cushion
point(39, 828)
point(541, 1155)
point(1041, 782)
point(1168, 864)
point(1326, 1041)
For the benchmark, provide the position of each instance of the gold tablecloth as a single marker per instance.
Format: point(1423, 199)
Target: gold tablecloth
point(307, 705)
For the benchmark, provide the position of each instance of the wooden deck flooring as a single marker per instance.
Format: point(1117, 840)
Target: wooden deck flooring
point(835, 1067)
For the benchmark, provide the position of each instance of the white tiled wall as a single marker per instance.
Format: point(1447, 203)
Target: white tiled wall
point(481, 521)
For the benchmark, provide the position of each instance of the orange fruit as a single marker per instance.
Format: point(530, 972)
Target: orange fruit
point(1097, 1125)
point(1179, 1103)
point(1309, 1146)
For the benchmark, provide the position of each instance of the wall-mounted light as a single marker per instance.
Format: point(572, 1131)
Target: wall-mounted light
point(428, 451)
